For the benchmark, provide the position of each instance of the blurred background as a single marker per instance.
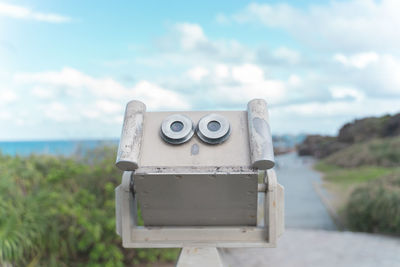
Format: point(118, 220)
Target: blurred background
point(329, 71)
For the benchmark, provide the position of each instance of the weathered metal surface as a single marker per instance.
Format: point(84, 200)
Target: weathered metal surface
point(197, 199)
point(260, 138)
point(194, 193)
point(262, 187)
point(199, 257)
point(176, 237)
point(280, 229)
point(262, 236)
point(234, 151)
point(131, 136)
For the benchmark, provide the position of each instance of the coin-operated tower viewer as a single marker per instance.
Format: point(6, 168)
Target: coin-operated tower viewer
point(202, 179)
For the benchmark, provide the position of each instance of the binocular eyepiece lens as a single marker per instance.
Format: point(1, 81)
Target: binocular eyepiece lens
point(177, 129)
point(213, 126)
point(213, 129)
point(176, 126)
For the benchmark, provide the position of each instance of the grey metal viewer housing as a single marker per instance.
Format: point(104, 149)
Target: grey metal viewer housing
point(200, 178)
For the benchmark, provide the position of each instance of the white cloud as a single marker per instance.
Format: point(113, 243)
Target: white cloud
point(273, 91)
point(197, 73)
point(360, 60)
point(376, 74)
point(327, 117)
point(57, 111)
point(338, 25)
point(247, 74)
point(191, 35)
point(108, 106)
point(340, 108)
point(74, 82)
point(78, 96)
point(294, 80)
point(5, 115)
point(20, 12)
point(156, 97)
point(118, 119)
point(286, 54)
point(235, 84)
point(344, 92)
point(213, 74)
point(364, 31)
point(384, 76)
point(40, 92)
point(186, 44)
point(221, 71)
point(91, 113)
point(324, 87)
point(7, 96)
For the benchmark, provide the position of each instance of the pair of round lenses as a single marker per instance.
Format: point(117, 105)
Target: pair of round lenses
point(178, 129)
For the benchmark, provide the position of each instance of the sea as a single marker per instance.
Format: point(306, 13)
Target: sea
point(73, 147)
point(52, 147)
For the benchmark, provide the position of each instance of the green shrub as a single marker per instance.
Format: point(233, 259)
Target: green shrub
point(378, 152)
point(375, 206)
point(58, 211)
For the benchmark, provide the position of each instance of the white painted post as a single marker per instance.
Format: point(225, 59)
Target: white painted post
point(199, 257)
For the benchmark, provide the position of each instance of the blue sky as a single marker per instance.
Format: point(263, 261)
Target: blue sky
point(67, 68)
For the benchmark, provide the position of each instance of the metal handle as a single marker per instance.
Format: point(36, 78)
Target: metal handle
point(261, 148)
point(131, 136)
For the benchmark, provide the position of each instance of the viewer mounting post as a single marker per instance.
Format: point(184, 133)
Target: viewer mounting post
point(202, 179)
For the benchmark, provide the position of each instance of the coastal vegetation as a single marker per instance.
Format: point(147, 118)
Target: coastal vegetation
point(375, 206)
point(361, 167)
point(59, 211)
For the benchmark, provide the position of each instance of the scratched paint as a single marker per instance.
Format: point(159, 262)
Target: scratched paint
point(195, 149)
point(131, 136)
point(262, 155)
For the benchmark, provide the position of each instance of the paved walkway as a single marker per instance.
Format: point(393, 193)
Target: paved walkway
point(310, 238)
point(320, 248)
point(303, 207)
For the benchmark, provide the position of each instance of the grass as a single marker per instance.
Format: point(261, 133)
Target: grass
point(59, 211)
point(346, 177)
point(375, 206)
point(366, 198)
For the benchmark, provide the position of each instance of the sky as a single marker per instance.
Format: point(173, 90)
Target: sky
point(68, 68)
